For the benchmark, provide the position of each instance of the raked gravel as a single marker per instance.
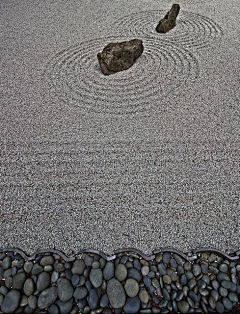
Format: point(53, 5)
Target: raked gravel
point(146, 158)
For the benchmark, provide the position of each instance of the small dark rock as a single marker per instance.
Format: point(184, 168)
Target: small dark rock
point(119, 56)
point(169, 20)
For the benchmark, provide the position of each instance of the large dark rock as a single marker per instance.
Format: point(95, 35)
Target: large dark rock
point(169, 20)
point(119, 56)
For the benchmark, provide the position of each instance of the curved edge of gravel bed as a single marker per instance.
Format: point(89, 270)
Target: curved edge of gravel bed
point(167, 281)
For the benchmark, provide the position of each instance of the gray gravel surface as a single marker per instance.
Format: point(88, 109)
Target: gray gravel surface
point(145, 158)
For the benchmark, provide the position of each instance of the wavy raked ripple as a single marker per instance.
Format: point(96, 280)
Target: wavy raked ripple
point(192, 31)
point(74, 75)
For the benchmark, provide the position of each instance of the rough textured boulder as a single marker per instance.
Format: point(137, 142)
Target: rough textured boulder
point(169, 21)
point(117, 57)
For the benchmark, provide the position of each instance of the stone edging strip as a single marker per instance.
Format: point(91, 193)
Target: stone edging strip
point(167, 281)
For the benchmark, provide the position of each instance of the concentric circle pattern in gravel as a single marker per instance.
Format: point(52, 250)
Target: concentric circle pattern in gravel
point(74, 75)
point(192, 31)
point(126, 283)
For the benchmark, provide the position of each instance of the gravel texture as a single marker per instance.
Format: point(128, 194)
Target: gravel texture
point(146, 158)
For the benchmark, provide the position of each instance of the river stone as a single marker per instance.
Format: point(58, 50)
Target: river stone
point(222, 276)
point(32, 301)
point(3, 290)
point(93, 299)
point(167, 279)
point(223, 292)
point(1, 273)
point(65, 307)
point(178, 259)
point(121, 272)
point(227, 304)
point(116, 293)
point(108, 271)
point(54, 309)
point(212, 302)
point(135, 274)
point(143, 296)
point(162, 269)
point(64, 289)
point(137, 264)
point(6, 263)
point(166, 257)
point(131, 287)
point(226, 284)
point(223, 268)
point(59, 268)
point(28, 287)
point(11, 301)
point(43, 281)
point(219, 307)
point(132, 305)
point(37, 269)
point(80, 293)
point(7, 273)
point(47, 297)
point(75, 280)
point(145, 270)
point(54, 276)
point(196, 270)
point(78, 267)
point(233, 297)
point(8, 282)
point(117, 57)
point(104, 301)
point(183, 306)
point(18, 281)
point(169, 20)
point(47, 260)
point(96, 277)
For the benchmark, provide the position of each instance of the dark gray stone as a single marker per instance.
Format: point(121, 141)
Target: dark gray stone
point(121, 272)
point(117, 57)
point(53, 309)
point(132, 305)
point(96, 277)
point(78, 267)
point(183, 306)
point(32, 301)
point(64, 289)
point(196, 270)
point(6, 263)
point(80, 293)
point(162, 269)
point(219, 307)
point(166, 257)
point(18, 281)
point(104, 301)
point(11, 301)
point(227, 304)
point(108, 271)
point(28, 287)
point(47, 297)
point(75, 280)
point(65, 307)
point(93, 299)
point(37, 269)
point(131, 287)
point(43, 281)
point(47, 260)
point(116, 293)
point(169, 20)
point(135, 274)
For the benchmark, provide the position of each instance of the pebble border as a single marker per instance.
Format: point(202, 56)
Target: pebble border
point(168, 281)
